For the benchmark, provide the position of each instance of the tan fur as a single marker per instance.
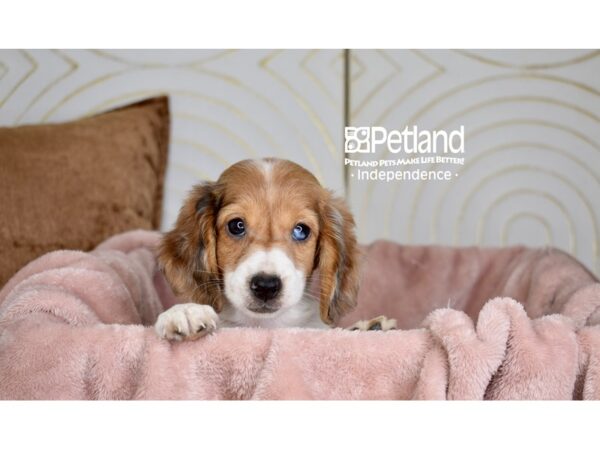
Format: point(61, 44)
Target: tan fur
point(338, 260)
point(271, 196)
point(187, 254)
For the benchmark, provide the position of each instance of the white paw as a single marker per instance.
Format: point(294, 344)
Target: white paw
point(378, 323)
point(186, 321)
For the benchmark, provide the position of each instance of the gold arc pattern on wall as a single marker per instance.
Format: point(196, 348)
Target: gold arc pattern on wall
point(507, 195)
point(471, 109)
point(72, 67)
point(67, 83)
point(438, 70)
point(527, 215)
point(306, 148)
point(524, 168)
point(572, 235)
point(418, 85)
point(65, 89)
point(265, 64)
point(130, 96)
point(413, 119)
point(580, 194)
point(197, 66)
point(387, 210)
point(448, 94)
point(550, 65)
point(478, 186)
point(471, 163)
point(21, 80)
point(304, 65)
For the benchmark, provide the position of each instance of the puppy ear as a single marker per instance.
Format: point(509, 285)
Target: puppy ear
point(337, 260)
point(187, 254)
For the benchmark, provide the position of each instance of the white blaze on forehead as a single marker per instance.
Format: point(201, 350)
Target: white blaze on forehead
point(270, 262)
point(266, 167)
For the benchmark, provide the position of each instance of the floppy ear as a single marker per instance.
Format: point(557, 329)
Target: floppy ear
point(188, 254)
point(337, 260)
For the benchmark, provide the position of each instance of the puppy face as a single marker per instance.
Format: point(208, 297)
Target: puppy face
point(255, 237)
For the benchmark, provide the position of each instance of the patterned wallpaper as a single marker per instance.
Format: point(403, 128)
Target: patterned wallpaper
point(532, 161)
point(227, 105)
point(532, 147)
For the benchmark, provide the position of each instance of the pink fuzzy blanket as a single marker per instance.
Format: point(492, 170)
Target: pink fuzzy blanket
point(77, 325)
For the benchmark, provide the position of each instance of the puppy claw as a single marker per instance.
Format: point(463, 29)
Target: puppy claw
point(380, 323)
point(186, 321)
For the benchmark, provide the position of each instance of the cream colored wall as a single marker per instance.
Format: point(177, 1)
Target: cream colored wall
point(532, 172)
point(226, 105)
point(532, 138)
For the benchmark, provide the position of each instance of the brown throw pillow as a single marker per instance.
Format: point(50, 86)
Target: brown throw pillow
point(72, 185)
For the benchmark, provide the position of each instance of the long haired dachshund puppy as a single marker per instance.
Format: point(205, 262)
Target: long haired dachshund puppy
point(245, 249)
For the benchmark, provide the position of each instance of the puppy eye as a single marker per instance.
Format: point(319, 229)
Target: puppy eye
point(300, 232)
point(236, 227)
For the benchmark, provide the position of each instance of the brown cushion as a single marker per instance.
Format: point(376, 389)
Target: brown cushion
point(72, 185)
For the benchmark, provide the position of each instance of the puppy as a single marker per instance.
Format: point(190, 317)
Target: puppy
point(246, 248)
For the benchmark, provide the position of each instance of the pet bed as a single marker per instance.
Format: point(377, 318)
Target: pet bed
point(77, 325)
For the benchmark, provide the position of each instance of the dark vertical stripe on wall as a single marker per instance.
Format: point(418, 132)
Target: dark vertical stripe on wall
point(346, 113)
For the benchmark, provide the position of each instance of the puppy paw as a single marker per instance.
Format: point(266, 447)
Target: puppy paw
point(186, 321)
point(378, 323)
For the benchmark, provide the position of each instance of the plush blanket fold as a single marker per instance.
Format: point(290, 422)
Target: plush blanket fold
point(77, 325)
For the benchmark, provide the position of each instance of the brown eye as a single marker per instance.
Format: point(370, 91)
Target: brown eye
point(300, 232)
point(236, 227)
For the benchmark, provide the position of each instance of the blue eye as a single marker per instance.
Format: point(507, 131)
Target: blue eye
point(300, 232)
point(236, 227)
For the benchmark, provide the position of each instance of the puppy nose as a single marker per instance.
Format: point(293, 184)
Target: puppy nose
point(265, 287)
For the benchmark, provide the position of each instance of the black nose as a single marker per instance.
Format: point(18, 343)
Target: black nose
point(265, 287)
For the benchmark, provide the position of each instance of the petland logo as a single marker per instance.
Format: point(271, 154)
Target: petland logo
point(409, 141)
